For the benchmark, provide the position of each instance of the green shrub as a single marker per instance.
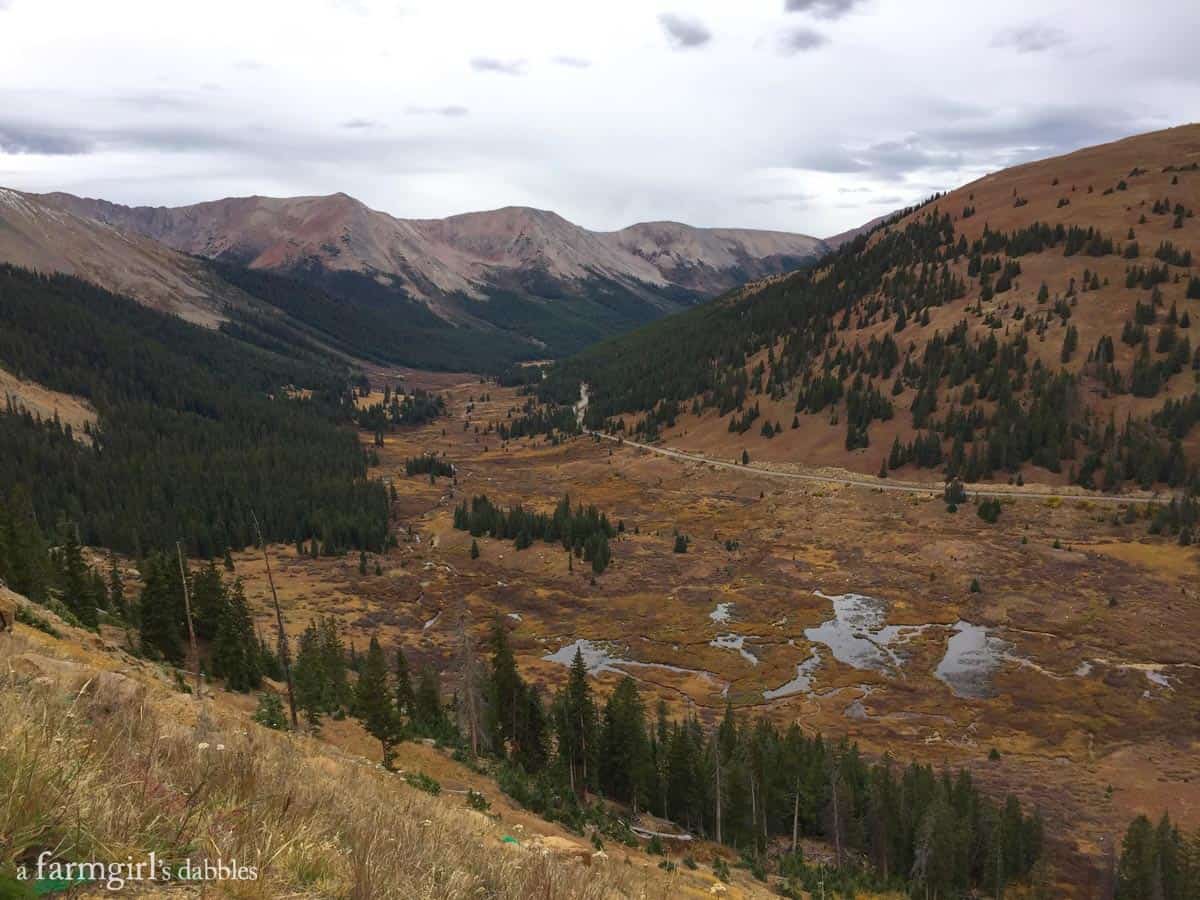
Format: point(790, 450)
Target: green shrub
point(270, 711)
point(423, 782)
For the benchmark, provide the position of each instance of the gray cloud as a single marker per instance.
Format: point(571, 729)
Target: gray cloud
point(157, 100)
point(1040, 130)
point(16, 138)
point(799, 39)
point(1030, 38)
point(450, 111)
point(684, 32)
point(822, 9)
point(574, 62)
point(240, 113)
point(358, 124)
point(502, 66)
point(891, 160)
point(988, 140)
point(833, 160)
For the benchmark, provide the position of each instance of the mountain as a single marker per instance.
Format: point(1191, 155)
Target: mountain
point(36, 233)
point(527, 279)
point(842, 237)
point(1038, 323)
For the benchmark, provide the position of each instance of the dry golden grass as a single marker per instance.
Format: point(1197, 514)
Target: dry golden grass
point(120, 768)
point(43, 402)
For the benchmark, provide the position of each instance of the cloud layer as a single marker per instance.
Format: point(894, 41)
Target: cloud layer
point(802, 115)
point(684, 31)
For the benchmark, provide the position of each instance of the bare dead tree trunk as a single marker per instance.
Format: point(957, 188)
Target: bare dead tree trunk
point(837, 820)
point(754, 808)
point(187, 608)
point(718, 748)
point(285, 656)
point(796, 818)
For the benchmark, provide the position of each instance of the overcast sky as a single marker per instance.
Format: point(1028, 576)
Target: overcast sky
point(803, 115)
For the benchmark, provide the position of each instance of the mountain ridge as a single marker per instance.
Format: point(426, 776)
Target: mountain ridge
point(459, 254)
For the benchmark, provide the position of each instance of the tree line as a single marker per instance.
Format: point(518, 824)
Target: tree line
point(584, 532)
point(196, 430)
point(745, 783)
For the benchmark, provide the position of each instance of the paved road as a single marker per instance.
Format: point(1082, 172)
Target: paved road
point(884, 484)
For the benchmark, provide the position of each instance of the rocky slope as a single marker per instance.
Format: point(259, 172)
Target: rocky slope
point(470, 255)
point(37, 233)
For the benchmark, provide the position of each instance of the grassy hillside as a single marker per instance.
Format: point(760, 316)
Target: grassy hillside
point(1036, 323)
point(101, 764)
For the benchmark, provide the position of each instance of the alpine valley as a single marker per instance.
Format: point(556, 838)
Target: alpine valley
point(490, 556)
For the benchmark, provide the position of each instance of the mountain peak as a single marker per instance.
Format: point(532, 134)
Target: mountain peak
point(463, 254)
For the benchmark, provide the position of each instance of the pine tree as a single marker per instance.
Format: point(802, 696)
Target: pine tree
point(234, 652)
point(506, 688)
point(270, 711)
point(406, 699)
point(623, 748)
point(76, 584)
point(430, 717)
point(337, 695)
point(575, 725)
point(309, 677)
point(209, 600)
point(373, 701)
point(116, 587)
point(158, 610)
point(1138, 876)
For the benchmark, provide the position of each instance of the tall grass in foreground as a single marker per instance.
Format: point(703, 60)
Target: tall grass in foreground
point(104, 774)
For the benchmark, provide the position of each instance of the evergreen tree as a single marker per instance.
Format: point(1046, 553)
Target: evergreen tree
point(430, 717)
point(507, 690)
point(575, 727)
point(116, 587)
point(308, 677)
point(337, 692)
point(158, 610)
point(1138, 876)
point(373, 700)
point(75, 581)
point(406, 699)
point(209, 600)
point(623, 745)
point(235, 654)
point(270, 711)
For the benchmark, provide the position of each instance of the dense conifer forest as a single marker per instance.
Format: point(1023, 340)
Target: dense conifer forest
point(197, 431)
point(362, 318)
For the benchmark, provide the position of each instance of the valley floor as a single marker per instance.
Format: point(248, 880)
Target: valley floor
point(1076, 660)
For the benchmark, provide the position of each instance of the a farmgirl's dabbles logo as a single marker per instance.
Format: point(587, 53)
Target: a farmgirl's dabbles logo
point(49, 875)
